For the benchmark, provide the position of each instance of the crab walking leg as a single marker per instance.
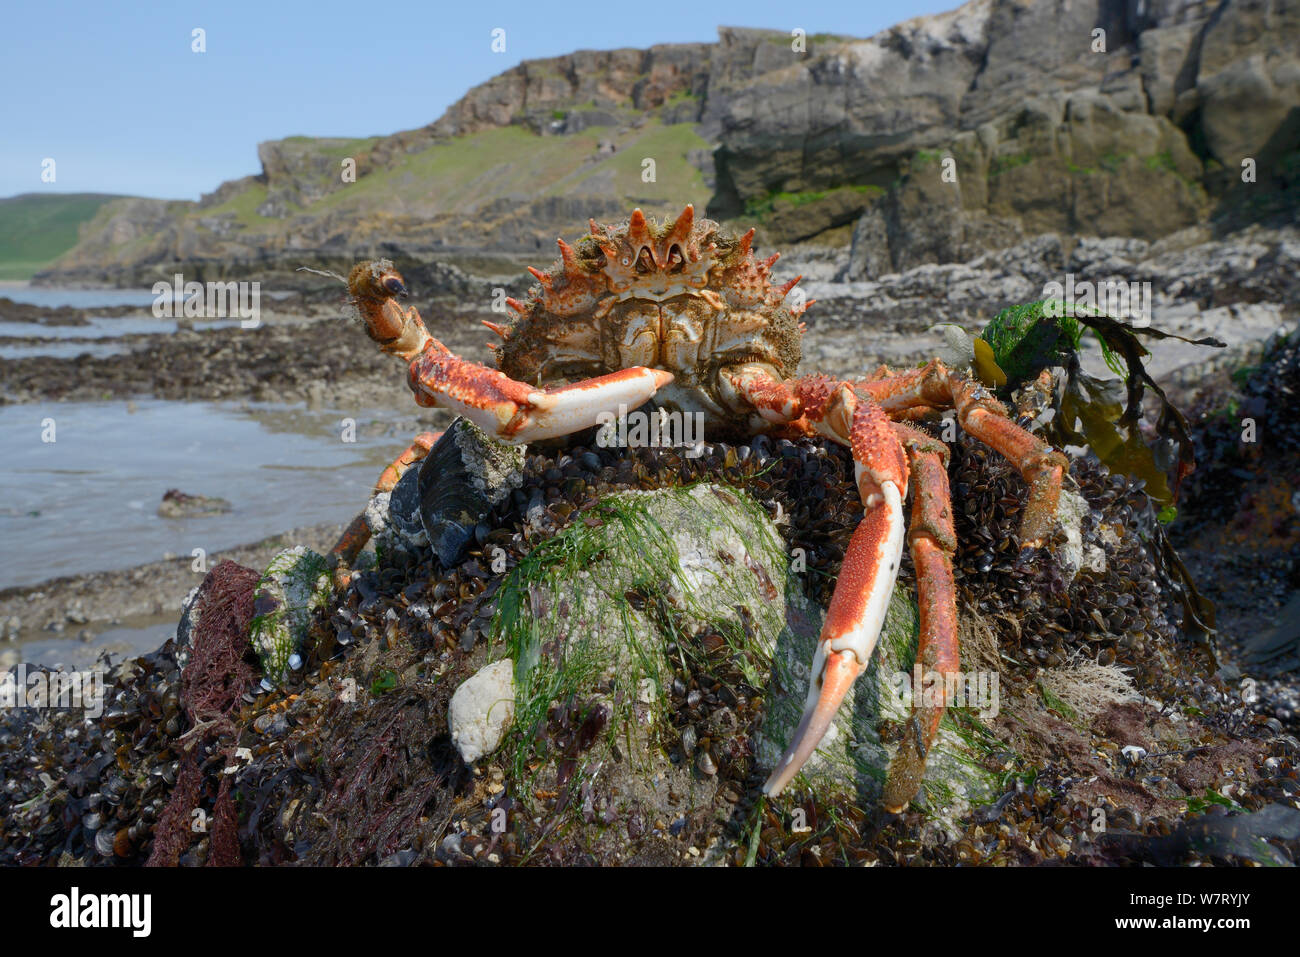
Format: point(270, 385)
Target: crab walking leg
point(932, 541)
point(346, 550)
point(983, 417)
point(355, 536)
point(417, 451)
point(866, 581)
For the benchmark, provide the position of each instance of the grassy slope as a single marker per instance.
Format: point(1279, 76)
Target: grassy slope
point(467, 172)
point(458, 176)
point(35, 229)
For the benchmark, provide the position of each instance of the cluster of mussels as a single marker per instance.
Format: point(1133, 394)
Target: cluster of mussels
point(1240, 524)
point(1248, 446)
point(351, 761)
point(82, 785)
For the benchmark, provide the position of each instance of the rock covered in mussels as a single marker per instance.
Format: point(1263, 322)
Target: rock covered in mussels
point(1104, 704)
point(701, 573)
point(463, 476)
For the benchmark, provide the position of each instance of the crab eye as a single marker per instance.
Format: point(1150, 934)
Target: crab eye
point(394, 285)
point(626, 261)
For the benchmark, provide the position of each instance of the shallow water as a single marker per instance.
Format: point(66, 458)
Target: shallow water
point(67, 342)
point(86, 298)
point(63, 350)
point(88, 500)
point(56, 296)
point(136, 636)
point(106, 327)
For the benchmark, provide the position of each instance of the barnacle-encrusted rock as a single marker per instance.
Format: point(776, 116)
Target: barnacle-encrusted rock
point(481, 710)
point(394, 518)
point(294, 585)
point(359, 766)
point(702, 573)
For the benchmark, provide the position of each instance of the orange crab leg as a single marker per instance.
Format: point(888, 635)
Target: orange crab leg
point(861, 598)
point(516, 413)
point(932, 541)
point(355, 536)
point(415, 453)
point(861, 412)
point(506, 409)
point(983, 417)
point(752, 385)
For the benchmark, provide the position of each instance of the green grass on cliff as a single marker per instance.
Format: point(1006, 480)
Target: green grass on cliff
point(465, 173)
point(511, 161)
point(36, 229)
point(676, 180)
point(244, 206)
point(485, 173)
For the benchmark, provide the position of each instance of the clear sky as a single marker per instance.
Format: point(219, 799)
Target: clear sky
point(114, 94)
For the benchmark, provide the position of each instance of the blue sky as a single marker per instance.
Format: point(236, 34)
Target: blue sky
point(113, 93)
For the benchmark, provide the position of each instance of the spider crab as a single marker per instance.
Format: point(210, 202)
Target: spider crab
point(684, 313)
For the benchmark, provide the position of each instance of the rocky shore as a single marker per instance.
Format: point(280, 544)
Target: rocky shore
point(1241, 288)
point(1109, 704)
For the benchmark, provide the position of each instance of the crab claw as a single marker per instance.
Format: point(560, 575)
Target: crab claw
point(517, 413)
point(833, 674)
point(567, 409)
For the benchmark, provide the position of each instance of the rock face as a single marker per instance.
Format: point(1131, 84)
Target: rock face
point(1090, 117)
point(932, 142)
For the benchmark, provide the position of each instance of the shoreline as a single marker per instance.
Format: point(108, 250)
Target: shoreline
point(78, 610)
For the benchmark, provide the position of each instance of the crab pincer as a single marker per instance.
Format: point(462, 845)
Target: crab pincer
point(517, 413)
